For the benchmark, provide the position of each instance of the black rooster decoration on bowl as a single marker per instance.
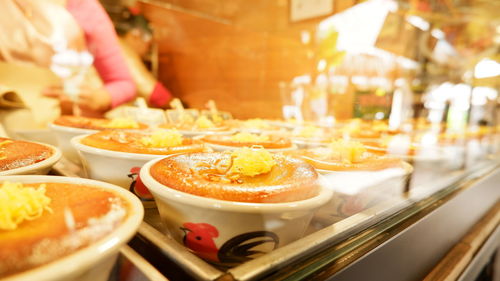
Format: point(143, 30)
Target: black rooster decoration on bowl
point(199, 237)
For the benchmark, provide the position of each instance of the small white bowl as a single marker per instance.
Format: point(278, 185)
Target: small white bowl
point(355, 191)
point(120, 168)
point(94, 262)
point(40, 168)
point(224, 221)
point(64, 135)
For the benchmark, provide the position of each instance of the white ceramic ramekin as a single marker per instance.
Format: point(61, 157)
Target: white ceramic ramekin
point(356, 191)
point(94, 262)
point(64, 135)
point(226, 225)
point(120, 168)
point(40, 168)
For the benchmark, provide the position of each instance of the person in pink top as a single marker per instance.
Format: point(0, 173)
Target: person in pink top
point(101, 40)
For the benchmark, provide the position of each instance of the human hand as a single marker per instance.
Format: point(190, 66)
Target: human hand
point(94, 101)
point(90, 102)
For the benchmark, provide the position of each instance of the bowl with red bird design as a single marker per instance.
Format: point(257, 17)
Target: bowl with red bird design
point(230, 229)
point(117, 156)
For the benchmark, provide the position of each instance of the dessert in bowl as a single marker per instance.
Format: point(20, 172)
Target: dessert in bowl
point(347, 156)
point(116, 156)
point(273, 143)
point(360, 178)
point(215, 203)
point(66, 127)
point(420, 148)
point(24, 157)
point(61, 228)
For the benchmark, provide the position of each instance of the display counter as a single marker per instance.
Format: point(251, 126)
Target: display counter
point(385, 230)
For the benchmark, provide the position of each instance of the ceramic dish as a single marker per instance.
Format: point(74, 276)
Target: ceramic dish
point(223, 226)
point(39, 168)
point(116, 167)
point(92, 262)
point(64, 135)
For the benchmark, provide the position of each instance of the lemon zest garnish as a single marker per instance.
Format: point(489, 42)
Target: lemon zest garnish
point(163, 138)
point(122, 123)
point(248, 137)
point(204, 123)
point(252, 161)
point(347, 151)
point(5, 142)
point(19, 203)
point(2, 153)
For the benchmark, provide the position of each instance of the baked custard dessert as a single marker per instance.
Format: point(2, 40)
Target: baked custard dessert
point(40, 223)
point(16, 153)
point(98, 123)
point(159, 141)
point(362, 129)
point(244, 175)
point(248, 139)
point(343, 155)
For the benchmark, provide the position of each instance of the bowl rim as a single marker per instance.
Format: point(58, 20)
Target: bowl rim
point(74, 130)
point(161, 191)
point(105, 246)
point(48, 162)
point(75, 142)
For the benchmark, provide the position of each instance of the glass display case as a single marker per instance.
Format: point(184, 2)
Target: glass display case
point(339, 151)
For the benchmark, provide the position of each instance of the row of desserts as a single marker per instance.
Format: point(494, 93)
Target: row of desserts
point(212, 182)
point(245, 182)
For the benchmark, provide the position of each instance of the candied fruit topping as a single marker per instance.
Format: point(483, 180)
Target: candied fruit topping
point(251, 161)
point(163, 138)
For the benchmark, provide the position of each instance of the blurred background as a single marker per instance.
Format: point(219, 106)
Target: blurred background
point(324, 60)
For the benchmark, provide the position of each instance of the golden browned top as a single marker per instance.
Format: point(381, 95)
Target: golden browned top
point(323, 158)
point(15, 153)
point(137, 142)
point(79, 215)
point(93, 123)
point(209, 175)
